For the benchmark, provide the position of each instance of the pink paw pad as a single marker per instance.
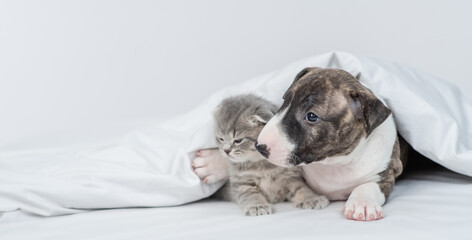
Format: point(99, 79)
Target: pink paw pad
point(363, 210)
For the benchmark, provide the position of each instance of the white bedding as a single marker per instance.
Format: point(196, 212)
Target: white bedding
point(151, 167)
point(424, 205)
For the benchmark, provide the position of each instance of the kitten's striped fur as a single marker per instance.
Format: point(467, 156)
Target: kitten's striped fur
point(254, 183)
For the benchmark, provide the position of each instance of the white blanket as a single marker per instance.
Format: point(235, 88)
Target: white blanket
point(151, 167)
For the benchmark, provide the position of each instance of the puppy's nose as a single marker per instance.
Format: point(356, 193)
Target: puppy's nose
point(262, 149)
point(227, 151)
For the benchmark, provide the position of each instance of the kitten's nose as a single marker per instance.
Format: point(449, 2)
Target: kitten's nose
point(262, 149)
point(227, 151)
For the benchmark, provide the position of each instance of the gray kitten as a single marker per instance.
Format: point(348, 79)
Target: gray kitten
point(254, 182)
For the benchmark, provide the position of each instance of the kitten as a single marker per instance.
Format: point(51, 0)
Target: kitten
point(254, 182)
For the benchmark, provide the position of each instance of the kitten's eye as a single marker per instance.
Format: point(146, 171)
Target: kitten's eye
point(221, 139)
point(311, 117)
point(238, 140)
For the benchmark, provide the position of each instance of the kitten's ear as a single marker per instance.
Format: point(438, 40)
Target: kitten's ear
point(261, 116)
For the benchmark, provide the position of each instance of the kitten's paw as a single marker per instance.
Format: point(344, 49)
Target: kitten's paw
point(210, 166)
point(316, 203)
point(258, 210)
point(362, 210)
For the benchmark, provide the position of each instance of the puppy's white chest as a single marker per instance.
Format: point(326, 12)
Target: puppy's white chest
point(336, 177)
point(335, 182)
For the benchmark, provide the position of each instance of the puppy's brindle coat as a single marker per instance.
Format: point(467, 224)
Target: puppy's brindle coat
point(343, 135)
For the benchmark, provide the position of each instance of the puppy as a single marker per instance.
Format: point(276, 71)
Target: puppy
point(343, 136)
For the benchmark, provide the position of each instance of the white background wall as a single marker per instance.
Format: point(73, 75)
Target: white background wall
point(84, 65)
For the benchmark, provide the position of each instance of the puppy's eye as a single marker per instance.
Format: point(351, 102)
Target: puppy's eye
point(311, 117)
point(238, 140)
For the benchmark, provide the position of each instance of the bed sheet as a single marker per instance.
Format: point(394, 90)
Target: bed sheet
point(433, 204)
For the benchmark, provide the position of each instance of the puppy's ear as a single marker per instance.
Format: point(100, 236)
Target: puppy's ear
point(303, 73)
point(260, 116)
point(358, 76)
point(299, 75)
point(369, 109)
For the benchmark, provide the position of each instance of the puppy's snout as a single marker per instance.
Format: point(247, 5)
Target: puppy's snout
point(262, 149)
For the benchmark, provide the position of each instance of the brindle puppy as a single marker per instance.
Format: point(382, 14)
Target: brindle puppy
point(344, 137)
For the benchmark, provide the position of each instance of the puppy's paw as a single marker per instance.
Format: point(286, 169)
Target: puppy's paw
point(316, 203)
point(362, 210)
point(210, 166)
point(258, 210)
